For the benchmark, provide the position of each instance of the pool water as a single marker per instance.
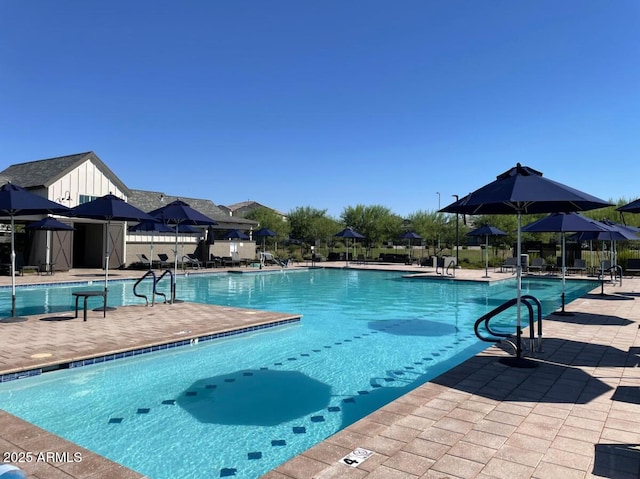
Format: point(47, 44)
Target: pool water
point(240, 407)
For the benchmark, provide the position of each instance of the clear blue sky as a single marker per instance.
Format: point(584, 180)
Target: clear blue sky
point(326, 103)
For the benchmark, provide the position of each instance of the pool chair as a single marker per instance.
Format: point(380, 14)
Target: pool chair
point(509, 265)
point(538, 264)
point(164, 260)
point(142, 258)
point(579, 266)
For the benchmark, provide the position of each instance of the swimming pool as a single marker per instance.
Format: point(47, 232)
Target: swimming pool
point(239, 407)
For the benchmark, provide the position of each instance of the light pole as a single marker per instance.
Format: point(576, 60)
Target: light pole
point(457, 236)
point(438, 193)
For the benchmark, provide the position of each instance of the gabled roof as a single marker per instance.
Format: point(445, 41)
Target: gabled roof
point(249, 206)
point(151, 200)
point(43, 173)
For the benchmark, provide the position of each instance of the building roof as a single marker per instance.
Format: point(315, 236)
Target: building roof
point(250, 205)
point(43, 173)
point(151, 200)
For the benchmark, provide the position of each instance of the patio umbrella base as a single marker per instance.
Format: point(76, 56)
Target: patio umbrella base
point(516, 362)
point(13, 319)
point(563, 313)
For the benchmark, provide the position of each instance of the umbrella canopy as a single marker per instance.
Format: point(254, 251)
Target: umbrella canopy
point(49, 224)
point(150, 227)
point(175, 214)
point(486, 231)
point(236, 234)
point(633, 207)
point(563, 223)
point(16, 201)
point(410, 235)
point(109, 208)
point(349, 233)
point(523, 190)
point(264, 233)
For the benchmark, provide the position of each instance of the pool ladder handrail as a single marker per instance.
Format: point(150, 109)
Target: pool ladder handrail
point(440, 261)
point(173, 291)
point(155, 287)
point(526, 299)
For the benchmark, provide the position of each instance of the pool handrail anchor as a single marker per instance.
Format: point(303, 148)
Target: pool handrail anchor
point(496, 337)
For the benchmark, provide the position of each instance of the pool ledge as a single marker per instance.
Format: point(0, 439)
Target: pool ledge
point(45, 342)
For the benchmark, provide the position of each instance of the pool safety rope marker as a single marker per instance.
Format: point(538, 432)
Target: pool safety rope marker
point(356, 457)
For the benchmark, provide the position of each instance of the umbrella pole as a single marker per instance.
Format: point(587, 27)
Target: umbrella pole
point(486, 256)
point(562, 312)
point(13, 269)
point(518, 361)
point(104, 307)
point(175, 268)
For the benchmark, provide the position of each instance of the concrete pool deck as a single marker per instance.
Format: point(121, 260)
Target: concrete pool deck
point(577, 415)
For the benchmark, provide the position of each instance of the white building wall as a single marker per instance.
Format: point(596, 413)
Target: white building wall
point(86, 179)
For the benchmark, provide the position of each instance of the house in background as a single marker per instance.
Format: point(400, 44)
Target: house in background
point(75, 179)
point(240, 210)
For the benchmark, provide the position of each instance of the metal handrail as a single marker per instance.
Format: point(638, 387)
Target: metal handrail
point(135, 293)
point(452, 262)
point(526, 299)
point(173, 290)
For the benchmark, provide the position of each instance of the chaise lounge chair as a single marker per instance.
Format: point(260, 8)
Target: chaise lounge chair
point(537, 264)
point(190, 260)
point(509, 265)
point(164, 260)
point(579, 266)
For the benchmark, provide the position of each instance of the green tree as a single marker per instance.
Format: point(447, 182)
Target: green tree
point(377, 223)
point(311, 225)
point(267, 218)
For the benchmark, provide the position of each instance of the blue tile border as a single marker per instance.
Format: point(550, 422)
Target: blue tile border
point(149, 349)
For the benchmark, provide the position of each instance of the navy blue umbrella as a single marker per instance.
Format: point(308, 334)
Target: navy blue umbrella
point(236, 234)
point(16, 201)
point(175, 214)
point(109, 208)
point(633, 207)
point(263, 233)
point(486, 231)
point(49, 224)
point(523, 190)
point(410, 236)
point(349, 233)
point(563, 223)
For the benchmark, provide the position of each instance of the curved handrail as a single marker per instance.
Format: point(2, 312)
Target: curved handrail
point(173, 292)
point(526, 299)
point(452, 262)
point(135, 293)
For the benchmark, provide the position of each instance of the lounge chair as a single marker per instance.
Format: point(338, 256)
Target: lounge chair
point(509, 265)
point(538, 264)
point(233, 260)
point(164, 260)
point(633, 266)
point(142, 258)
point(214, 261)
point(579, 266)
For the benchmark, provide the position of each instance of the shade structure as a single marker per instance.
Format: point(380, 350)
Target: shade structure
point(175, 214)
point(49, 224)
point(633, 207)
point(236, 234)
point(486, 231)
point(349, 233)
point(410, 236)
point(16, 201)
point(523, 190)
point(109, 208)
point(563, 223)
point(264, 233)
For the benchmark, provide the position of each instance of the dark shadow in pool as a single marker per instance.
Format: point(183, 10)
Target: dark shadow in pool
point(254, 397)
point(413, 327)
